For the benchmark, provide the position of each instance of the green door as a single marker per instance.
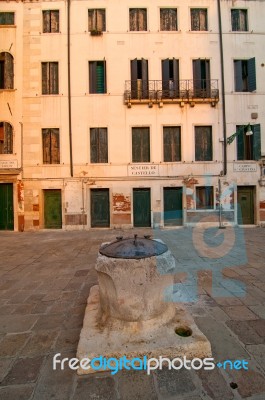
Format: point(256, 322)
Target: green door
point(6, 206)
point(52, 209)
point(172, 206)
point(141, 207)
point(245, 207)
point(100, 216)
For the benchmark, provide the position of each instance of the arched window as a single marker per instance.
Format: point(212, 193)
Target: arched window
point(6, 71)
point(6, 138)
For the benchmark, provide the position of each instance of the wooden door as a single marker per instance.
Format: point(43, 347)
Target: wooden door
point(6, 206)
point(245, 200)
point(172, 206)
point(100, 213)
point(141, 208)
point(52, 209)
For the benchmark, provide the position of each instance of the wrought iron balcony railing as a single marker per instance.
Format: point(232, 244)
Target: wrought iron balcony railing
point(186, 90)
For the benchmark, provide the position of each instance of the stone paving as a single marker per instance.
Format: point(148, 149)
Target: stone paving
point(45, 278)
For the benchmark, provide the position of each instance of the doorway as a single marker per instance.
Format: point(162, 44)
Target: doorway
point(52, 209)
point(172, 206)
point(141, 208)
point(100, 213)
point(6, 207)
point(245, 207)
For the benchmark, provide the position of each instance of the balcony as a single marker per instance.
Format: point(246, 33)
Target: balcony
point(167, 92)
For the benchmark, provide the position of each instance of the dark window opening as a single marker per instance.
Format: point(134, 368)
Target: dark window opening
point(138, 19)
point(140, 145)
point(201, 78)
point(239, 20)
point(245, 75)
point(199, 19)
point(96, 20)
point(172, 143)
point(6, 71)
point(50, 78)
point(203, 143)
point(248, 146)
point(170, 78)
point(98, 145)
point(7, 18)
point(204, 197)
point(97, 77)
point(51, 146)
point(6, 138)
point(168, 19)
point(50, 21)
point(139, 79)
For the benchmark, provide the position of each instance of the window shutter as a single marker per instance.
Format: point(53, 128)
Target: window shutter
point(55, 146)
point(240, 143)
point(93, 145)
point(105, 76)
point(196, 76)
point(100, 77)
point(243, 24)
point(238, 76)
point(145, 144)
point(251, 75)
point(91, 20)
point(136, 145)
point(145, 82)
point(54, 21)
point(53, 78)
point(195, 23)
point(45, 77)
point(175, 69)
point(46, 146)
point(203, 143)
point(167, 144)
point(133, 19)
point(103, 145)
point(101, 22)
point(256, 142)
point(165, 77)
point(142, 19)
point(203, 20)
point(92, 77)
point(8, 138)
point(9, 71)
point(7, 18)
point(46, 19)
point(235, 20)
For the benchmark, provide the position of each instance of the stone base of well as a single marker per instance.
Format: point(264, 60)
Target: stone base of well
point(152, 338)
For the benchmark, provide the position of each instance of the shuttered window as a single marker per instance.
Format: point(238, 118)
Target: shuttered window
point(51, 146)
point(97, 77)
point(172, 143)
point(139, 79)
point(199, 19)
point(140, 144)
point(7, 18)
point(239, 20)
point(203, 143)
point(248, 146)
point(245, 75)
point(168, 19)
point(98, 145)
point(50, 21)
point(6, 71)
point(50, 77)
point(201, 78)
point(170, 78)
point(138, 19)
point(6, 138)
point(96, 20)
point(204, 197)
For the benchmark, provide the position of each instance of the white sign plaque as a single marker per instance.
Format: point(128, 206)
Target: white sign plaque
point(143, 170)
point(245, 167)
point(7, 164)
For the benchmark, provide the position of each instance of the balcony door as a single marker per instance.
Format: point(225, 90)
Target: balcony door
point(170, 78)
point(139, 79)
point(201, 78)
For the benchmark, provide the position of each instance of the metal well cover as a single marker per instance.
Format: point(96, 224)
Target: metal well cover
point(134, 248)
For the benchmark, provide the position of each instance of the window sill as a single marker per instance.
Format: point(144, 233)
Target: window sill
point(7, 26)
point(50, 33)
point(199, 31)
point(8, 90)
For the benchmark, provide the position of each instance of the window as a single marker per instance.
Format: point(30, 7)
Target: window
point(97, 77)
point(7, 18)
point(239, 20)
point(245, 75)
point(168, 19)
point(50, 20)
point(248, 146)
point(201, 78)
point(170, 78)
point(6, 71)
point(51, 146)
point(199, 19)
point(172, 143)
point(50, 78)
point(96, 20)
point(98, 145)
point(140, 145)
point(203, 143)
point(6, 138)
point(138, 19)
point(139, 79)
point(204, 197)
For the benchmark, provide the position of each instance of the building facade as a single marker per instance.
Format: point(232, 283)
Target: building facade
point(131, 115)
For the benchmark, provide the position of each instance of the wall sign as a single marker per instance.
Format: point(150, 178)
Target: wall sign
point(245, 167)
point(143, 170)
point(7, 164)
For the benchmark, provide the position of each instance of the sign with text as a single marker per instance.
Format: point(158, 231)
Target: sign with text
point(7, 164)
point(143, 170)
point(245, 167)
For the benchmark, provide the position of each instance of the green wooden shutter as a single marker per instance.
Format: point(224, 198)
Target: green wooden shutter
point(251, 74)
point(256, 142)
point(7, 18)
point(100, 77)
point(240, 143)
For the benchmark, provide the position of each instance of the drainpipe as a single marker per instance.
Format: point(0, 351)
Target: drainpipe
point(69, 88)
point(21, 150)
point(222, 86)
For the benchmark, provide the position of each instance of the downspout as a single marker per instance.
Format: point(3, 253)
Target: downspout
point(69, 88)
point(222, 87)
point(21, 151)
